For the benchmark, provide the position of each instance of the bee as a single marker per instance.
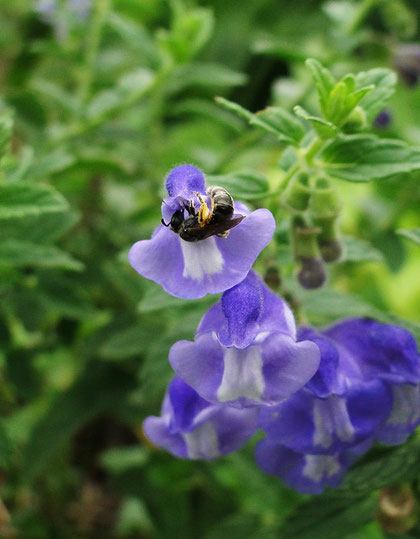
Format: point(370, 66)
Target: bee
point(214, 221)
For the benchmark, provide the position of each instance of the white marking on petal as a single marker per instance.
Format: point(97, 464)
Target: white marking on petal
point(343, 425)
point(406, 407)
point(322, 423)
point(318, 466)
point(242, 375)
point(290, 320)
point(202, 442)
point(331, 417)
point(201, 258)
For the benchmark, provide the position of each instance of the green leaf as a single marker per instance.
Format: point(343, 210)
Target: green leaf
point(361, 158)
point(323, 79)
point(324, 515)
point(279, 122)
point(234, 107)
point(413, 234)
point(101, 387)
point(274, 120)
point(127, 342)
point(357, 250)
point(44, 228)
point(384, 82)
point(55, 94)
point(242, 185)
point(21, 253)
point(204, 74)
point(392, 465)
point(45, 165)
point(324, 128)
point(22, 199)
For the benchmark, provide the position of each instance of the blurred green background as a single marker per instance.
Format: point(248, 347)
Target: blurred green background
point(100, 100)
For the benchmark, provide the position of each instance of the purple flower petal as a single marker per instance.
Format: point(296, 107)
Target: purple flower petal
point(192, 428)
point(246, 310)
point(192, 270)
point(184, 180)
point(379, 350)
point(308, 474)
point(268, 371)
point(404, 417)
point(307, 424)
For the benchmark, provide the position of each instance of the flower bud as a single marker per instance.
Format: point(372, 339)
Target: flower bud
point(395, 512)
point(356, 120)
point(329, 239)
point(312, 273)
point(297, 194)
point(324, 201)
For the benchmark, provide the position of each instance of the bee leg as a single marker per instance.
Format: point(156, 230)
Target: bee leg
point(223, 234)
point(204, 214)
point(190, 208)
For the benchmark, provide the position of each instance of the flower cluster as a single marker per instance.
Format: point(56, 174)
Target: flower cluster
point(321, 397)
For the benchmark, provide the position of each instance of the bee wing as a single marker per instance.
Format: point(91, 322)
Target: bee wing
point(219, 227)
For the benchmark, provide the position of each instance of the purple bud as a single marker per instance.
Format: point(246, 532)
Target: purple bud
point(383, 119)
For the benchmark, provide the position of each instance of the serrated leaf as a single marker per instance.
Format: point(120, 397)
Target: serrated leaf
point(22, 199)
point(357, 250)
point(323, 516)
point(324, 128)
point(21, 253)
point(337, 106)
point(324, 81)
point(384, 82)
point(413, 234)
point(234, 107)
point(361, 158)
point(242, 185)
point(279, 122)
point(394, 465)
point(99, 388)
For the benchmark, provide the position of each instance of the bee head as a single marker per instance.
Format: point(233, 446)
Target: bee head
point(176, 221)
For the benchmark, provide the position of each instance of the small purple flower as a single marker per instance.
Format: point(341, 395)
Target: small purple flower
point(193, 269)
point(383, 119)
point(367, 388)
point(245, 352)
point(190, 427)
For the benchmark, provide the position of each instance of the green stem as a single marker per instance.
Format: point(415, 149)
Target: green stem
point(92, 45)
point(313, 149)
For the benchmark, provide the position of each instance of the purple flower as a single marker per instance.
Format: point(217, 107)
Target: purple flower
point(245, 352)
point(193, 269)
point(383, 119)
point(190, 427)
point(367, 388)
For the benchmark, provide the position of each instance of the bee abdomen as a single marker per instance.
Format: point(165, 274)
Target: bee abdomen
point(221, 200)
